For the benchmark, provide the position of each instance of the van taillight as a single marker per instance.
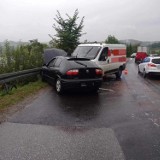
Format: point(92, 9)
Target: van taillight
point(73, 72)
point(98, 71)
point(151, 65)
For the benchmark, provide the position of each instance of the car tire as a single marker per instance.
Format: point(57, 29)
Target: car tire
point(119, 73)
point(144, 74)
point(58, 86)
point(135, 61)
point(138, 70)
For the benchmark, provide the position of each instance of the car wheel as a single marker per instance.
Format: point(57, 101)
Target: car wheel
point(135, 61)
point(138, 70)
point(119, 73)
point(58, 86)
point(144, 74)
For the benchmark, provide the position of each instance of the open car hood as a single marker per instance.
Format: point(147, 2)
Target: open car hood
point(50, 53)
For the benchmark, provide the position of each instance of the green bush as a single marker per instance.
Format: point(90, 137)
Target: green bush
point(22, 57)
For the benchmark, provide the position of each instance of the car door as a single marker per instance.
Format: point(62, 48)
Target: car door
point(54, 68)
point(46, 67)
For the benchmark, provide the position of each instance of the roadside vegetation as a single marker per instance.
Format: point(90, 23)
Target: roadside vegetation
point(21, 57)
point(155, 48)
point(19, 94)
point(131, 49)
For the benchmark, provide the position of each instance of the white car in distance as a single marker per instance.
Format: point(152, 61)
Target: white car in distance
point(149, 66)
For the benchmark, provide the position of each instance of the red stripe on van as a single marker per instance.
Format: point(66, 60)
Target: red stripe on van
point(118, 59)
point(122, 52)
point(114, 60)
point(117, 52)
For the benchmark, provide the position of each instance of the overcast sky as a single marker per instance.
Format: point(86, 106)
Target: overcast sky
point(125, 19)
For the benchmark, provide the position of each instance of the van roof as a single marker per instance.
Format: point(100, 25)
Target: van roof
point(104, 45)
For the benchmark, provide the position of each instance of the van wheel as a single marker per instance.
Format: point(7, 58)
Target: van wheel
point(119, 73)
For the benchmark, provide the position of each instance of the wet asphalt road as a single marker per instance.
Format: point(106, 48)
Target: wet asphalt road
point(121, 122)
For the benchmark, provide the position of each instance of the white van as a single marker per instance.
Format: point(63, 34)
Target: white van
point(110, 57)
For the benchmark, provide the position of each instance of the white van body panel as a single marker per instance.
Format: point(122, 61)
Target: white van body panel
point(115, 58)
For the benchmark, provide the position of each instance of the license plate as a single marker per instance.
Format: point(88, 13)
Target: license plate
point(83, 84)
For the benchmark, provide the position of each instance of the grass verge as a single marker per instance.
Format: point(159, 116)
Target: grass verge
point(19, 94)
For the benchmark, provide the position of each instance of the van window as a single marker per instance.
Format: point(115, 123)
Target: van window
point(104, 54)
point(89, 52)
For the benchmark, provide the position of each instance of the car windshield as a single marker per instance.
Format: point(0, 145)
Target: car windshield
point(89, 52)
point(156, 61)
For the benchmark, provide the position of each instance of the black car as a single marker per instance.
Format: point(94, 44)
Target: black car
point(69, 72)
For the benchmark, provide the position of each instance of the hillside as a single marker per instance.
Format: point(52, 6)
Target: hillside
point(13, 43)
point(137, 42)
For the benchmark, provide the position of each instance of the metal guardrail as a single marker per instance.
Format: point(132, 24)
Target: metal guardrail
point(7, 79)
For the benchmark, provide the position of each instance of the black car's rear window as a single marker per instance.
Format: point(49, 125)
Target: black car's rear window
point(156, 61)
point(58, 62)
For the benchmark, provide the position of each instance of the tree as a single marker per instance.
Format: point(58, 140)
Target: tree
point(131, 49)
point(35, 50)
point(111, 40)
point(8, 51)
point(68, 32)
point(21, 57)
